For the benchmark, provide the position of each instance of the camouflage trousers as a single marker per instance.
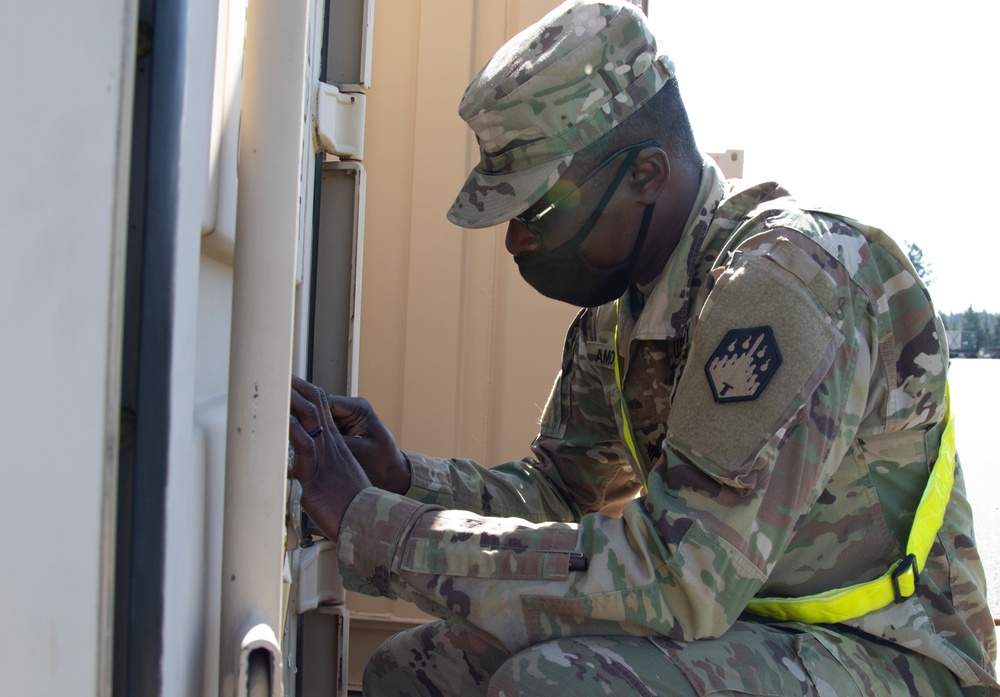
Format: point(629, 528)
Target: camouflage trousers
point(751, 659)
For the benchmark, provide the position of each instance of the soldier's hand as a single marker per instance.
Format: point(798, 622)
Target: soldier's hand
point(330, 475)
point(371, 443)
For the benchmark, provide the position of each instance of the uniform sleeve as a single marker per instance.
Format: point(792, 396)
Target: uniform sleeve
point(576, 462)
point(723, 502)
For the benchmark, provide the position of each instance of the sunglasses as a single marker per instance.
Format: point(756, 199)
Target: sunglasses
point(556, 200)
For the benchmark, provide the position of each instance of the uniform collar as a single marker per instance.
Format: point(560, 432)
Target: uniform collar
point(720, 206)
point(664, 315)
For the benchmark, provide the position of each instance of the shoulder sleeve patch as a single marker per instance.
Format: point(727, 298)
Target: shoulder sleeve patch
point(743, 364)
point(760, 348)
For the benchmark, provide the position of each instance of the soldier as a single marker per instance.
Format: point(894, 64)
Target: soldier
point(750, 403)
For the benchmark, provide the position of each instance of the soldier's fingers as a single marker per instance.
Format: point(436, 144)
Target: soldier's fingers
point(309, 414)
point(341, 406)
point(301, 385)
point(352, 414)
point(304, 446)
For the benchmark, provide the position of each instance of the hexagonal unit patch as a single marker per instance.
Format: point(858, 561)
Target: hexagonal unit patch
point(742, 365)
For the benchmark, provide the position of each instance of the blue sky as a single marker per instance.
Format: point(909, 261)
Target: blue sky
point(885, 111)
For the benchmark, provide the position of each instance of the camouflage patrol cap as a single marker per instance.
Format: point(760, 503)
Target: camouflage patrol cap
point(549, 92)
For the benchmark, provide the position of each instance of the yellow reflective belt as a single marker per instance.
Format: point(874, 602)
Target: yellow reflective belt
point(626, 422)
point(900, 581)
point(896, 584)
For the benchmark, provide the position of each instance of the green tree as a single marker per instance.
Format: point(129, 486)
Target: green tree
point(923, 267)
point(991, 326)
point(972, 321)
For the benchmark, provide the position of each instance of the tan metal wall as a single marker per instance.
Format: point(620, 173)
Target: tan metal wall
point(458, 354)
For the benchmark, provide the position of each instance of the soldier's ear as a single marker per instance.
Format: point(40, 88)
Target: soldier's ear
point(650, 174)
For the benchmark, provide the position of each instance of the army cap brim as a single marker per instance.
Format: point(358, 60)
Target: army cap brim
point(491, 199)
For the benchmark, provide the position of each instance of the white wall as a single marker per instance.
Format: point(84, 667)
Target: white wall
point(67, 77)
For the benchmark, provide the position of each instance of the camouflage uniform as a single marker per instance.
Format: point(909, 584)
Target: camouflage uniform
point(785, 380)
point(809, 485)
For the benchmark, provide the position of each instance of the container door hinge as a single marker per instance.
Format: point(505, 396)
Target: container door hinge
point(340, 120)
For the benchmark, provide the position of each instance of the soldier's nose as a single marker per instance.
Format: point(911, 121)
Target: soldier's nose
point(520, 240)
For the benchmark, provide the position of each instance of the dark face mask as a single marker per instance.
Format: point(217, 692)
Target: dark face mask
point(565, 274)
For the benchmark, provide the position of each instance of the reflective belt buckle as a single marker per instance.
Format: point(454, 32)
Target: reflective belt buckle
point(909, 563)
